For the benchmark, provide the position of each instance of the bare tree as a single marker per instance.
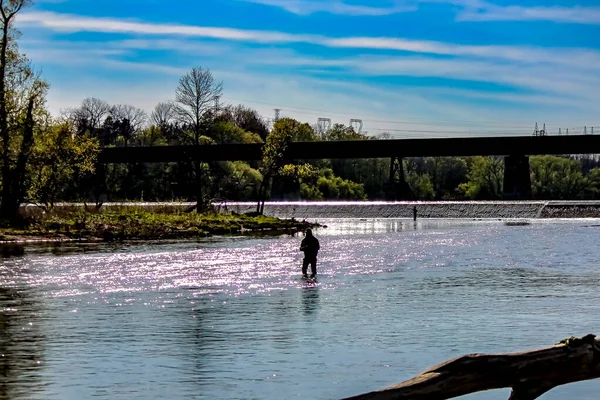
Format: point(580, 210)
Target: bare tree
point(90, 115)
point(136, 116)
point(196, 98)
point(128, 119)
point(163, 114)
point(94, 110)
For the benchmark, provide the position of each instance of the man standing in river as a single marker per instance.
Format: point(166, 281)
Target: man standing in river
point(310, 246)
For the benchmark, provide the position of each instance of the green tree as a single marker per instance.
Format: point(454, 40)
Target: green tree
point(284, 132)
point(245, 118)
point(485, 178)
point(446, 173)
point(420, 185)
point(22, 112)
point(326, 186)
point(59, 156)
point(228, 133)
point(560, 178)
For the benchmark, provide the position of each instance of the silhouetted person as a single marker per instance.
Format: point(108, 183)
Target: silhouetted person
point(310, 247)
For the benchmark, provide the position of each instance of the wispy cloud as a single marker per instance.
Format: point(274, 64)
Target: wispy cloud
point(470, 10)
point(76, 23)
point(339, 7)
point(358, 76)
point(575, 14)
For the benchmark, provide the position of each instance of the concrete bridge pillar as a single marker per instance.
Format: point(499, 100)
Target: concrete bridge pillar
point(517, 178)
point(397, 188)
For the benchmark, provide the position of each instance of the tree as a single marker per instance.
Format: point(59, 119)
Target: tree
point(197, 97)
point(89, 116)
point(163, 114)
point(446, 173)
point(485, 178)
point(22, 95)
point(245, 118)
point(324, 185)
point(420, 185)
point(557, 178)
point(284, 131)
point(59, 157)
point(228, 133)
point(129, 120)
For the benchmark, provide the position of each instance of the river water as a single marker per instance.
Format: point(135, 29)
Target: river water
point(230, 318)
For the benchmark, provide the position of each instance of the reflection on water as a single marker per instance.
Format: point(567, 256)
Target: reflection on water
point(21, 344)
point(231, 318)
point(310, 298)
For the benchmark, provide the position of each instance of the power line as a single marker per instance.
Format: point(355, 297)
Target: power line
point(515, 126)
point(303, 110)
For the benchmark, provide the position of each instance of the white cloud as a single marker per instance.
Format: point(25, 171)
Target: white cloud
point(576, 14)
point(471, 10)
point(306, 7)
point(552, 85)
point(75, 23)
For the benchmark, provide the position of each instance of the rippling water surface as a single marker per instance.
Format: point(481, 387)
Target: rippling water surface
point(230, 318)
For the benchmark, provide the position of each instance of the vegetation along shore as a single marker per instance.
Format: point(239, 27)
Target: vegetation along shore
point(134, 223)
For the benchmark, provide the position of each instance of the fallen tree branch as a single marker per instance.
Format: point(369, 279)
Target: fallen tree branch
point(530, 374)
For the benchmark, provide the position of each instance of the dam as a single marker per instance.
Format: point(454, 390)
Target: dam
point(364, 209)
point(424, 209)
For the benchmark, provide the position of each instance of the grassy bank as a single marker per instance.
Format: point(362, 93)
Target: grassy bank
point(136, 224)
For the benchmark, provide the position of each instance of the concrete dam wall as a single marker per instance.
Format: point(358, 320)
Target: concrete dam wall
point(374, 209)
point(365, 209)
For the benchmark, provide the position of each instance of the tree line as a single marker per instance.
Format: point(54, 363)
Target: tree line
point(46, 158)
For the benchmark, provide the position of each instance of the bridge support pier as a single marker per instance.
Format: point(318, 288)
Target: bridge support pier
point(517, 178)
point(397, 188)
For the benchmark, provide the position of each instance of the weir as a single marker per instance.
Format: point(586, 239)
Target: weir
point(382, 209)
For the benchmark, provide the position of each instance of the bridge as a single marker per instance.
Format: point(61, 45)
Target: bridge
point(515, 149)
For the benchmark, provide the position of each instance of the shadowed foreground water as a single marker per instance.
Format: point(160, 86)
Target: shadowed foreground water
point(230, 318)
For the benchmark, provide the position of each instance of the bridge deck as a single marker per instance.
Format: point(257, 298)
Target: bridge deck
point(482, 146)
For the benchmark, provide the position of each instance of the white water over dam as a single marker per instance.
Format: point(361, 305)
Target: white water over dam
point(424, 209)
point(366, 209)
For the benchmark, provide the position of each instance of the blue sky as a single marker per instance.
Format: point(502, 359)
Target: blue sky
point(414, 68)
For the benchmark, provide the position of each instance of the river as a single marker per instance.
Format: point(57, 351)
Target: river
point(230, 318)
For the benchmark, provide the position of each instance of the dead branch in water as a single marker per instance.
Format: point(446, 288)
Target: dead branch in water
point(530, 374)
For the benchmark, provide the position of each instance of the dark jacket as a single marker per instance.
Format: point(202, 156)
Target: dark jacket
point(310, 247)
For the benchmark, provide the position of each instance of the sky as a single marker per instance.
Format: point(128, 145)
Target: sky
point(412, 68)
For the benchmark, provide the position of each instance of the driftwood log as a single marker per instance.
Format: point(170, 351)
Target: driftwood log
point(530, 374)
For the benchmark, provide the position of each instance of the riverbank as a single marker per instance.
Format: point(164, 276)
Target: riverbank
point(134, 223)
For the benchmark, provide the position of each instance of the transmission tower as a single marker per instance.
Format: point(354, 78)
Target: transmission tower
point(357, 124)
point(537, 132)
point(323, 125)
point(277, 110)
point(585, 130)
point(559, 131)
